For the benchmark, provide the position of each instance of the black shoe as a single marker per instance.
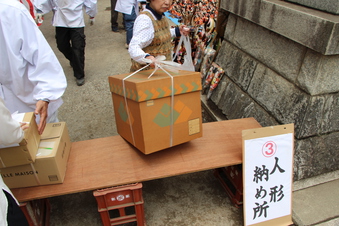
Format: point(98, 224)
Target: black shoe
point(115, 29)
point(80, 81)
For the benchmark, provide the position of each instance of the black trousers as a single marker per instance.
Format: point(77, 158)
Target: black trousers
point(114, 14)
point(15, 216)
point(71, 42)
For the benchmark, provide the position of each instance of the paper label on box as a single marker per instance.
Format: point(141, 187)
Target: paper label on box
point(45, 148)
point(193, 126)
point(150, 103)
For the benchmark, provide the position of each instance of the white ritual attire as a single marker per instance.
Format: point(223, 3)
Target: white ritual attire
point(126, 6)
point(68, 13)
point(29, 69)
point(10, 132)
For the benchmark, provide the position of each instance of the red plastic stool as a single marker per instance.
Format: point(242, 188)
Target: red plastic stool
point(120, 205)
point(37, 212)
point(231, 179)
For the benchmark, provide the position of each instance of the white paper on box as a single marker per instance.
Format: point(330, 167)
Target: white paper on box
point(45, 148)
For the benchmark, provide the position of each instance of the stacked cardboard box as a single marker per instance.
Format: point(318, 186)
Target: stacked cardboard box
point(50, 162)
point(25, 151)
point(158, 112)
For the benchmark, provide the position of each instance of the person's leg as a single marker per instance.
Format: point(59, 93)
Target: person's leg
point(15, 216)
point(129, 23)
point(63, 38)
point(114, 17)
point(78, 40)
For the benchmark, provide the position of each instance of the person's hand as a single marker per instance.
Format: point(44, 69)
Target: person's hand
point(24, 125)
point(41, 108)
point(184, 30)
point(152, 58)
point(39, 18)
point(91, 20)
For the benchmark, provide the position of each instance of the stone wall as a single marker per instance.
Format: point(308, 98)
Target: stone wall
point(331, 6)
point(278, 76)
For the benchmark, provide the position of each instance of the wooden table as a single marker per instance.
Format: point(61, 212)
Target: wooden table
point(111, 161)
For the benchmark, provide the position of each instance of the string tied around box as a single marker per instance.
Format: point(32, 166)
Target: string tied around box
point(161, 63)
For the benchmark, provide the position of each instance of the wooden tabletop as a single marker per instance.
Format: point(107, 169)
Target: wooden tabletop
point(111, 161)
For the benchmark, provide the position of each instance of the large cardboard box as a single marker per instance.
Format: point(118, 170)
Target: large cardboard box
point(158, 112)
point(25, 151)
point(50, 163)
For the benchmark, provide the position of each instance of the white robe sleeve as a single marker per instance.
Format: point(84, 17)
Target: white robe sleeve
point(29, 69)
point(91, 7)
point(10, 131)
point(44, 6)
point(143, 34)
point(43, 68)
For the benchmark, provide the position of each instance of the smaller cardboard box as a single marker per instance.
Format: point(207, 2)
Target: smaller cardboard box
point(24, 152)
point(50, 164)
point(158, 112)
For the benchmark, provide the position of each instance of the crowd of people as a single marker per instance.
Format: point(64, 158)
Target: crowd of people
point(194, 12)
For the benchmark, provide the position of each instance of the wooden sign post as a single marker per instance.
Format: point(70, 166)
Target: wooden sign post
point(268, 175)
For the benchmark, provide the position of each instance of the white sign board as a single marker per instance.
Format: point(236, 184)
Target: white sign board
point(267, 175)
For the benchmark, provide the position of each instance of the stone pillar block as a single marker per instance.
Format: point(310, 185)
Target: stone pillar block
point(279, 97)
point(331, 6)
point(277, 52)
point(314, 29)
point(316, 155)
point(319, 74)
point(237, 65)
point(235, 103)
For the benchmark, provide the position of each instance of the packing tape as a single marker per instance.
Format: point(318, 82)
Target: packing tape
point(125, 98)
point(35, 174)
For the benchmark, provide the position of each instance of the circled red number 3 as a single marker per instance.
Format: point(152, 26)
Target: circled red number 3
point(269, 149)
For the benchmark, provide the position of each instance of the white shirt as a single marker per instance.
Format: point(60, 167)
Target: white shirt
point(143, 34)
point(68, 13)
point(10, 133)
point(126, 6)
point(29, 69)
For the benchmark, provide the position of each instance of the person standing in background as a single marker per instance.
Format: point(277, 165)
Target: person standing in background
point(31, 77)
point(68, 20)
point(114, 17)
point(152, 34)
point(11, 132)
point(130, 11)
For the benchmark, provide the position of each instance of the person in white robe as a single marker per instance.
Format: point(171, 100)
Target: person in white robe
point(31, 77)
point(10, 133)
point(130, 11)
point(68, 20)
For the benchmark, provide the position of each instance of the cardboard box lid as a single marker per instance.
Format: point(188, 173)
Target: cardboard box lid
point(141, 88)
point(52, 130)
point(25, 151)
point(50, 139)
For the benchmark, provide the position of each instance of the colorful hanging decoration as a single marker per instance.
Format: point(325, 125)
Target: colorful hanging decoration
point(212, 79)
